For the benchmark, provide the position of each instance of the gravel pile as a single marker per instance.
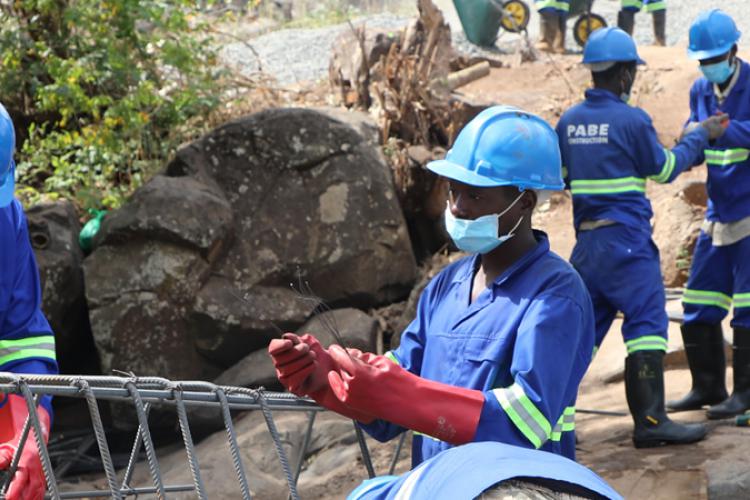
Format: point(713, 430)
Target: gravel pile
point(298, 55)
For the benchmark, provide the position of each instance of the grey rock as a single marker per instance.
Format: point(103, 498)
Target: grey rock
point(254, 370)
point(227, 324)
point(311, 198)
point(181, 210)
point(357, 329)
point(139, 295)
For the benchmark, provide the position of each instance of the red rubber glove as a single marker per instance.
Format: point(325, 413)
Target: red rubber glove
point(302, 366)
point(29, 482)
point(378, 386)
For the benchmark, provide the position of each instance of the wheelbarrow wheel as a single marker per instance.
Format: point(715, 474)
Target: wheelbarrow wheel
point(516, 15)
point(585, 25)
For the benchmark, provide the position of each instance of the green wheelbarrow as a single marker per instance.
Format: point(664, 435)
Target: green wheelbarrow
point(483, 19)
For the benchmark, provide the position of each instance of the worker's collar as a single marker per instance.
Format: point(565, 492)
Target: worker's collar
point(602, 94)
point(722, 95)
point(540, 249)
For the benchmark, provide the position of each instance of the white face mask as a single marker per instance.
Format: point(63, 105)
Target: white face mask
point(481, 234)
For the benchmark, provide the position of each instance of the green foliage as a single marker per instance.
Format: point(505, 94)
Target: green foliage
point(101, 91)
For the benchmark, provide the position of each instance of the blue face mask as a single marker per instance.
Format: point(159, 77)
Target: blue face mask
point(719, 72)
point(479, 235)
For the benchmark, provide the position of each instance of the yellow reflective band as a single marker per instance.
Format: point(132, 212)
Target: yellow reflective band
point(724, 157)
point(666, 169)
point(566, 423)
point(27, 348)
point(707, 298)
point(647, 343)
point(527, 418)
point(608, 186)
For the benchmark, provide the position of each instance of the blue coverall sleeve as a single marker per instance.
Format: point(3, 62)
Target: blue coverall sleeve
point(552, 350)
point(27, 344)
point(658, 163)
point(408, 355)
point(737, 135)
point(695, 118)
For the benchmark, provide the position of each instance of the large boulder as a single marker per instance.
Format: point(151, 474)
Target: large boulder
point(677, 223)
point(140, 294)
point(313, 200)
point(194, 272)
point(53, 230)
point(227, 324)
point(357, 330)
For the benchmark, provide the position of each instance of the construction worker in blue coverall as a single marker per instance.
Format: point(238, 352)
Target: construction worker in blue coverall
point(720, 271)
point(609, 149)
point(501, 338)
point(553, 24)
point(657, 8)
point(474, 470)
point(27, 344)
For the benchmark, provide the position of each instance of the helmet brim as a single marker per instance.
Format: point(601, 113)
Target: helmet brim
point(8, 187)
point(708, 54)
point(456, 172)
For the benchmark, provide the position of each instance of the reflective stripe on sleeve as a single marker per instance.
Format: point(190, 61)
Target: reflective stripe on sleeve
point(741, 300)
point(608, 186)
point(392, 357)
point(27, 348)
point(527, 418)
point(707, 298)
point(647, 343)
point(724, 157)
point(666, 169)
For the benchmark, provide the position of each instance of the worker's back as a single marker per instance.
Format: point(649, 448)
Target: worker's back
point(471, 470)
point(607, 159)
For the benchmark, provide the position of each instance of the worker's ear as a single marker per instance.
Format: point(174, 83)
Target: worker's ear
point(528, 201)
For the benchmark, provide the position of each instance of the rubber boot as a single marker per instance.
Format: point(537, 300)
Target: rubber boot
point(548, 28)
point(660, 25)
point(704, 348)
point(739, 401)
point(558, 45)
point(644, 388)
point(626, 21)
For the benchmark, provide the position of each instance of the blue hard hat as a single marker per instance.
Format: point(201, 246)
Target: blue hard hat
point(610, 45)
point(712, 34)
point(504, 146)
point(7, 166)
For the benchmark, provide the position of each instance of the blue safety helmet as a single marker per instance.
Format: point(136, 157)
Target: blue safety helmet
point(610, 45)
point(712, 34)
point(7, 166)
point(504, 146)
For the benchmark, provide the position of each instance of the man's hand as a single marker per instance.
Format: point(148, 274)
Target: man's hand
point(28, 482)
point(716, 125)
point(302, 364)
